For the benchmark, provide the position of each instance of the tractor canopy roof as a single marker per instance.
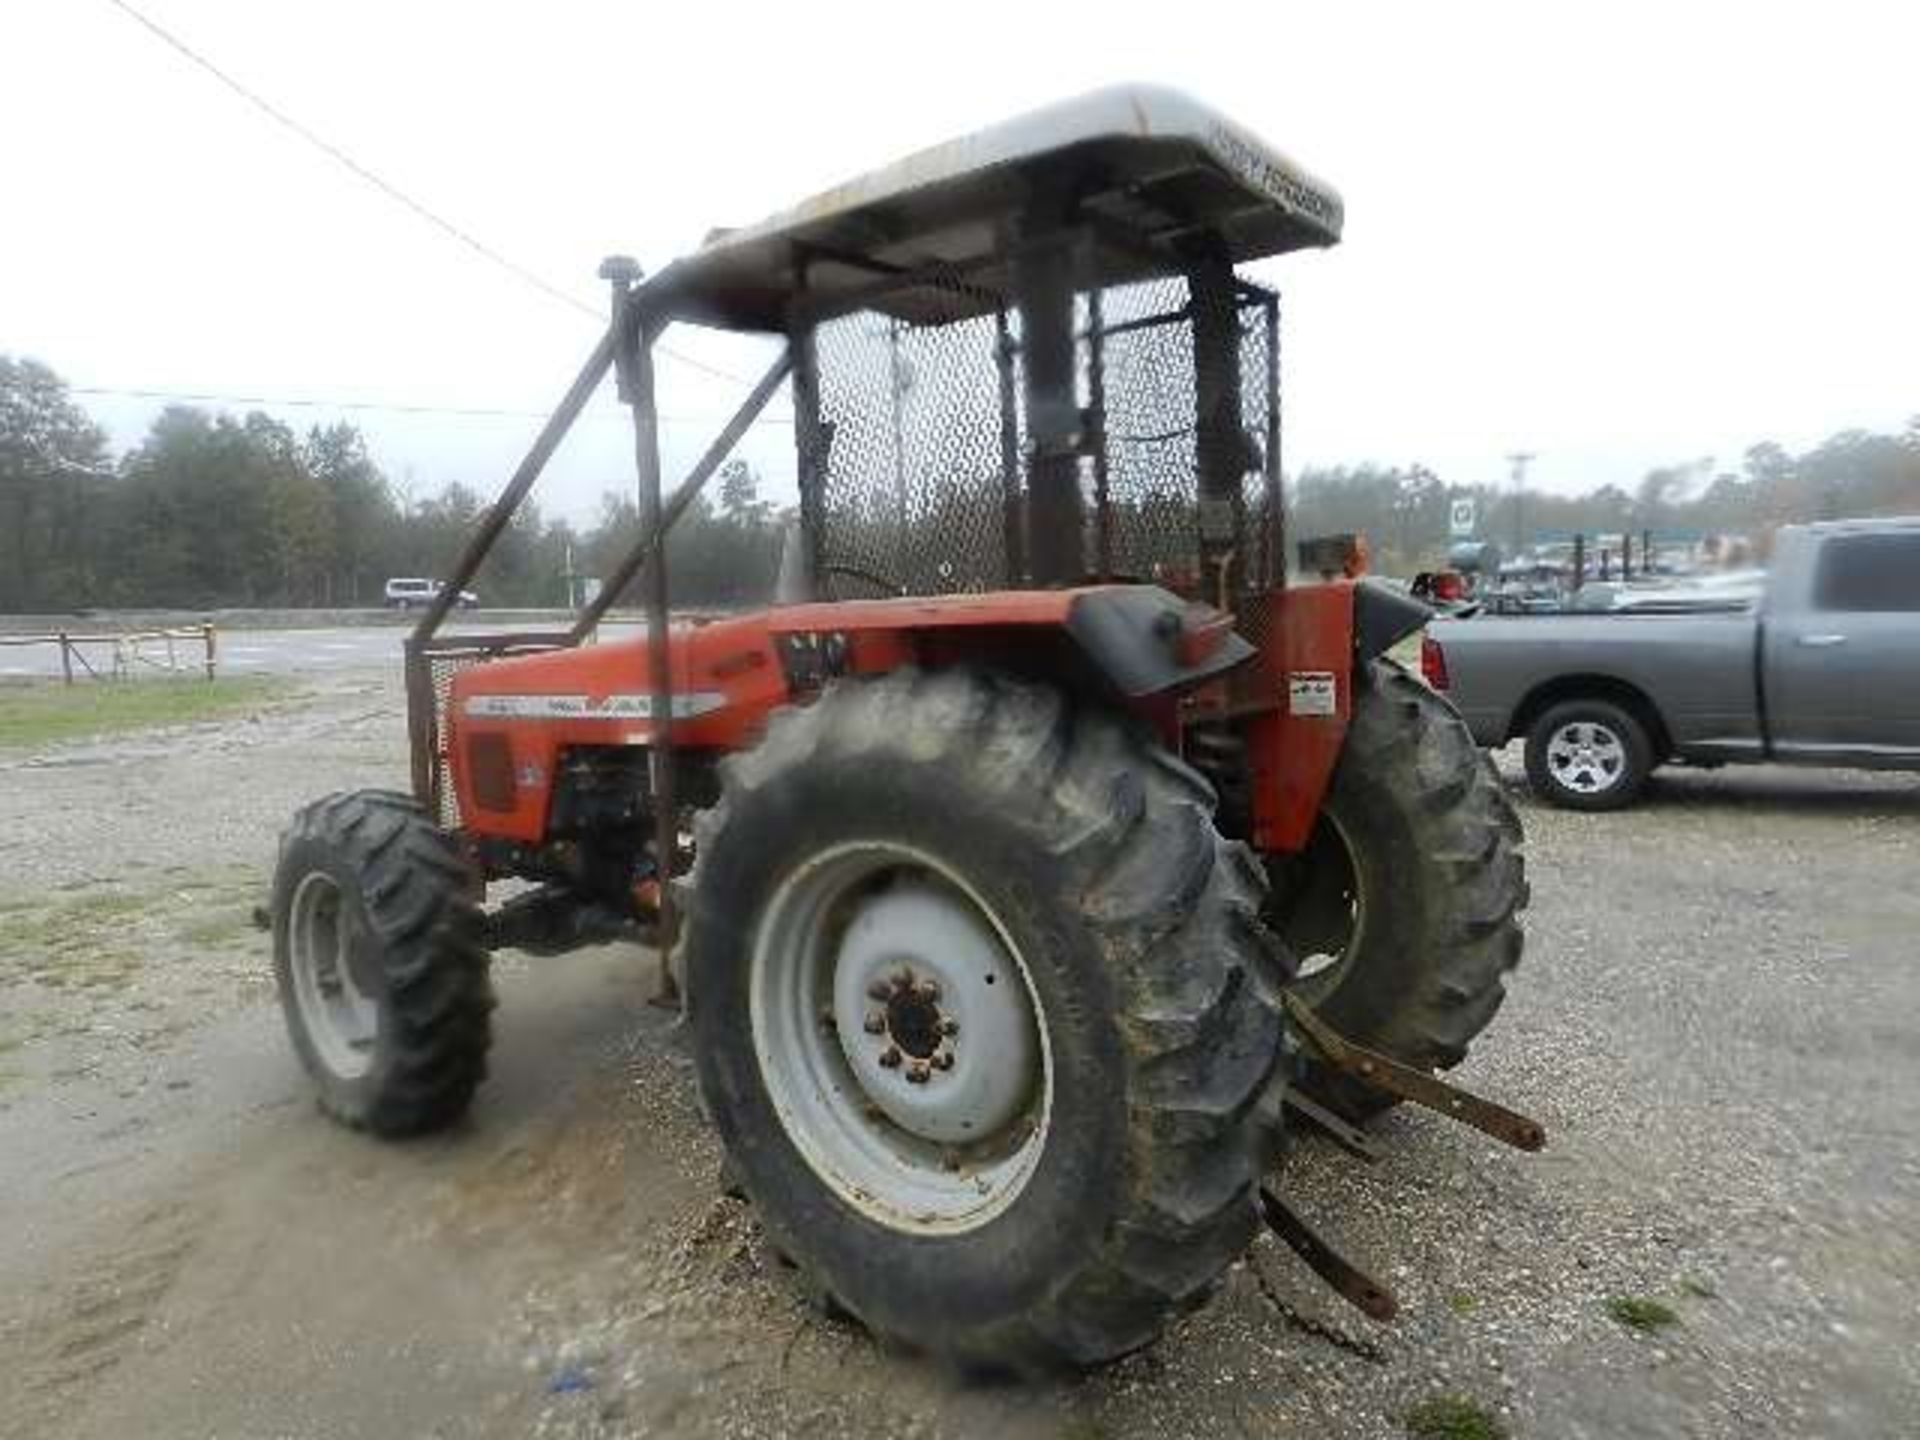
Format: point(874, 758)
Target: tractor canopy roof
point(1142, 175)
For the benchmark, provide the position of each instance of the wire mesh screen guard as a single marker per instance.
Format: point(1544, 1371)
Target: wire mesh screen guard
point(918, 478)
point(443, 658)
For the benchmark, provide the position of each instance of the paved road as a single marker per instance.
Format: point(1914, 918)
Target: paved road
point(262, 652)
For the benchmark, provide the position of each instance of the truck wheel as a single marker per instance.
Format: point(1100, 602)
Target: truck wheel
point(1403, 907)
point(982, 1006)
point(377, 954)
point(1588, 755)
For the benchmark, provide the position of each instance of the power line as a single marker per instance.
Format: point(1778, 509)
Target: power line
point(307, 402)
point(387, 187)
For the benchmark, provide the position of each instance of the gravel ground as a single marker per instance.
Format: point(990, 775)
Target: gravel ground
point(1714, 1020)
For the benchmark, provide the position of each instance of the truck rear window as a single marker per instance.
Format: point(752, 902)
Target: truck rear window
point(1869, 572)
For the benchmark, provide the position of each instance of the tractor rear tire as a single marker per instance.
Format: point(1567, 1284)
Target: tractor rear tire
point(377, 955)
point(1403, 909)
point(954, 854)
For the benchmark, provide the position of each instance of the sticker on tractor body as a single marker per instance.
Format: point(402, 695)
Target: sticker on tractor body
point(1312, 692)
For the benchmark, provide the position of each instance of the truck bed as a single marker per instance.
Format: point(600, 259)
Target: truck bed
point(1699, 668)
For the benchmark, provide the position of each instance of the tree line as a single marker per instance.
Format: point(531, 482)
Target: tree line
point(222, 510)
point(213, 509)
point(1404, 512)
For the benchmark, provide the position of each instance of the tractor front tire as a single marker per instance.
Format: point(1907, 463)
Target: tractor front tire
point(1403, 908)
point(377, 955)
point(982, 1007)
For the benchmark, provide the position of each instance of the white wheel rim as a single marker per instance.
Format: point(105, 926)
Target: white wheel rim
point(1321, 971)
point(341, 1015)
point(1586, 757)
point(895, 1025)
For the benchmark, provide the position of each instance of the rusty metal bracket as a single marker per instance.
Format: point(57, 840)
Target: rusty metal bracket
point(1348, 1136)
point(1352, 1283)
point(1507, 1126)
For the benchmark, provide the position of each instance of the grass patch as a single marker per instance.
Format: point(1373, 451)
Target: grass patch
point(91, 911)
point(34, 715)
point(1453, 1417)
point(218, 928)
point(1699, 1289)
point(86, 942)
point(95, 940)
point(1462, 1303)
point(1642, 1313)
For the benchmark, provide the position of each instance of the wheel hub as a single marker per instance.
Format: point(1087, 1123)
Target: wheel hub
point(897, 1031)
point(1585, 757)
point(918, 1032)
point(917, 970)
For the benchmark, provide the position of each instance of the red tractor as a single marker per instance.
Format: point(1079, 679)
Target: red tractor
point(1043, 852)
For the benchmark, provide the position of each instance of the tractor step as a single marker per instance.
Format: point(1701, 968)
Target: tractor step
point(1372, 1068)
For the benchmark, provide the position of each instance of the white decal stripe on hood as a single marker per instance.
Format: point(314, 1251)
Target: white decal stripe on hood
point(585, 707)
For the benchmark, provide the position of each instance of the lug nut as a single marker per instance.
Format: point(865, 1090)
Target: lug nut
point(876, 1024)
point(917, 1072)
point(879, 990)
point(949, 1026)
point(929, 990)
point(943, 1060)
point(890, 1057)
point(903, 979)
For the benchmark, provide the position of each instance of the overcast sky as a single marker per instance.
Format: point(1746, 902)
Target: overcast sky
point(1647, 234)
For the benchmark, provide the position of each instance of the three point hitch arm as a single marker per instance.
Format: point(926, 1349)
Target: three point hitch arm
point(1324, 1258)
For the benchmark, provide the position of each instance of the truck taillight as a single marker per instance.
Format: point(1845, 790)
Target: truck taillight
point(1433, 663)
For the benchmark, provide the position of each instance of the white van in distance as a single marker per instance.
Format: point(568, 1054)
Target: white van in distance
point(405, 594)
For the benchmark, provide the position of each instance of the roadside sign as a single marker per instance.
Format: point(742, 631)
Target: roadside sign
point(1460, 519)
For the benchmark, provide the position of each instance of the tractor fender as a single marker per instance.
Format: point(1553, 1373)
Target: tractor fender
point(1138, 641)
point(1382, 618)
point(1146, 641)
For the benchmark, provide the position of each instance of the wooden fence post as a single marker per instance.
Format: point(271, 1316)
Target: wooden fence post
point(66, 658)
point(207, 631)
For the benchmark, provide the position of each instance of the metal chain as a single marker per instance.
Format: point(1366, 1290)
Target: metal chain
point(1353, 1344)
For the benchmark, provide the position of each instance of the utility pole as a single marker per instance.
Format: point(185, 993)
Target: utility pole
point(1519, 460)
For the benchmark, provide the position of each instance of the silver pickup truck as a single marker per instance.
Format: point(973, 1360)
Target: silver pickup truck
point(1823, 670)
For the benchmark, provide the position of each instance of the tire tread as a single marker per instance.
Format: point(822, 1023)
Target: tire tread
point(416, 892)
point(1175, 908)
